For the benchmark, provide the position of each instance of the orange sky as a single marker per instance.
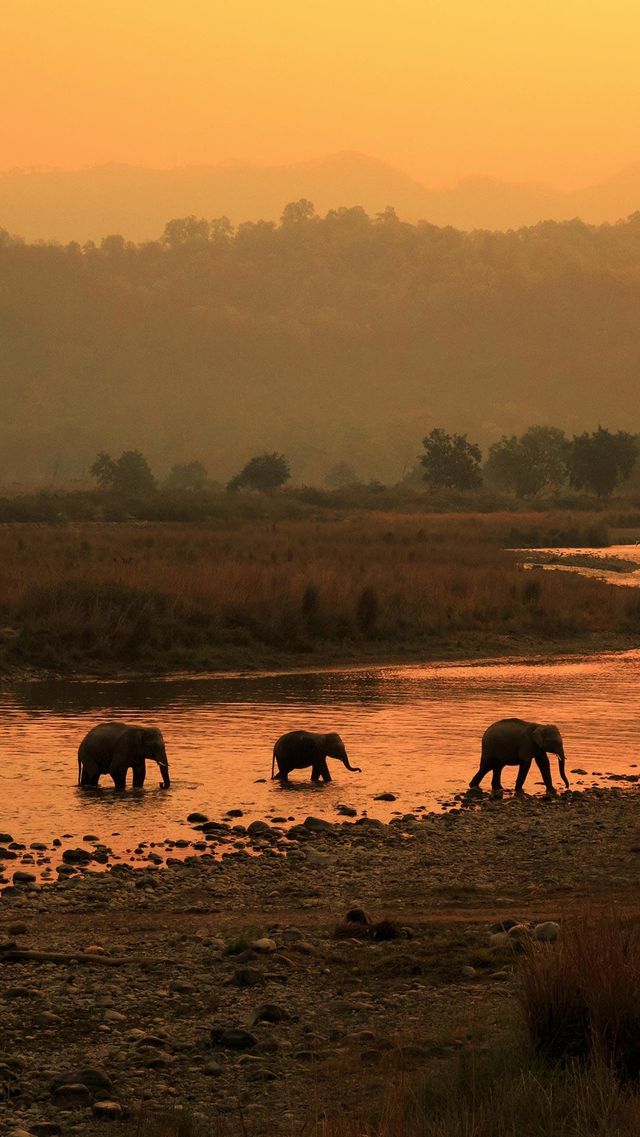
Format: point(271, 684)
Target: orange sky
point(518, 89)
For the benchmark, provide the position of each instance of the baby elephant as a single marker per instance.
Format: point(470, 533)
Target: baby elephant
point(115, 747)
point(299, 749)
point(514, 742)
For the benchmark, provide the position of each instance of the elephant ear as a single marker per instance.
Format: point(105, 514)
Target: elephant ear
point(538, 737)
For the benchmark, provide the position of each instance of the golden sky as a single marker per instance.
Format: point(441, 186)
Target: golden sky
point(544, 90)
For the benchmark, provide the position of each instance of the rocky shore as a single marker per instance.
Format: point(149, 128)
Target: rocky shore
point(223, 977)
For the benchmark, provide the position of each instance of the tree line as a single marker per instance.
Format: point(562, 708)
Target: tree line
point(334, 340)
point(541, 460)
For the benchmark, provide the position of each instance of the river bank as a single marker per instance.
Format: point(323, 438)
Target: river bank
point(220, 984)
point(99, 600)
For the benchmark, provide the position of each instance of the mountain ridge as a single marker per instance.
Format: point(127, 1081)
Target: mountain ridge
point(136, 201)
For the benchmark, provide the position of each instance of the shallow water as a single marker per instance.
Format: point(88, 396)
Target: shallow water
point(414, 730)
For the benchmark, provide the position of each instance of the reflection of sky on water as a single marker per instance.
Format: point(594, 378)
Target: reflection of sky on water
point(414, 730)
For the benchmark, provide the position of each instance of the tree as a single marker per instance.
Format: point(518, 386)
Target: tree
point(600, 461)
point(450, 461)
point(130, 474)
point(264, 472)
point(529, 464)
point(298, 211)
point(103, 470)
point(341, 475)
point(183, 230)
point(187, 476)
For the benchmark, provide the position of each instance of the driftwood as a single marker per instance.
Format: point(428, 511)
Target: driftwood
point(14, 955)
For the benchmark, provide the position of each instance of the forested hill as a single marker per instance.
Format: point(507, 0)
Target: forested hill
point(337, 338)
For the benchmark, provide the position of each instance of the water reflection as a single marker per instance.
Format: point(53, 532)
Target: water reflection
point(414, 730)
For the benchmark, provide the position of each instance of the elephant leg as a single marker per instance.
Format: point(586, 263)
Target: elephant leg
point(119, 779)
point(139, 774)
point(496, 783)
point(544, 767)
point(522, 774)
point(485, 766)
point(320, 771)
point(89, 778)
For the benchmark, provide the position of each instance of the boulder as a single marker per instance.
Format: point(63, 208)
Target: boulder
point(547, 932)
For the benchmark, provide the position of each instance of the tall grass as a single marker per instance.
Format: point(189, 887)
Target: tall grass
point(192, 595)
point(581, 997)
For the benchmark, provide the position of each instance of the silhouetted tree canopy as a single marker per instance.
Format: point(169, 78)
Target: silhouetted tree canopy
point(526, 465)
point(187, 476)
point(451, 461)
point(265, 472)
point(600, 461)
point(129, 474)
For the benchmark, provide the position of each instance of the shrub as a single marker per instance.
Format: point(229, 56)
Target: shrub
point(581, 997)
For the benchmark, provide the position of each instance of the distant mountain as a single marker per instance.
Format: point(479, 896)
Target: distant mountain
point(65, 205)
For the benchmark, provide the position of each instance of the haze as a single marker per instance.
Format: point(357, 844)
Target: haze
point(443, 89)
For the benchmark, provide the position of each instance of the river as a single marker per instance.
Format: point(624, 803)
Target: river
point(415, 731)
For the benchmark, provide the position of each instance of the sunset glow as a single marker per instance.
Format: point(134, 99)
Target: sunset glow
point(545, 91)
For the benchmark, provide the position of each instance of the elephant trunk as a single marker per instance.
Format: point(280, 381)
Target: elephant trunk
point(163, 766)
point(561, 768)
point(354, 769)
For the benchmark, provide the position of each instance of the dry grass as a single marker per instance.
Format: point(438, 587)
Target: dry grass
point(581, 997)
point(191, 595)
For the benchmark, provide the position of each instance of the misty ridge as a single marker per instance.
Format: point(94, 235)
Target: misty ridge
point(344, 338)
point(87, 204)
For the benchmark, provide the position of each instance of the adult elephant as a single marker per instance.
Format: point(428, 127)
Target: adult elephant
point(514, 742)
point(300, 749)
point(115, 747)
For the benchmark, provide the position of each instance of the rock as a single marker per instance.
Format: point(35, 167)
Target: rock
point(17, 929)
point(197, 818)
point(5, 838)
point(234, 813)
point(74, 1094)
point(258, 829)
point(233, 1038)
point(500, 976)
point(76, 856)
point(7, 855)
point(385, 797)
point(504, 925)
point(317, 825)
point(547, 932)
point(269, 1013)
point(213, 1069)
point(19, 993)
point(93, 1077)
point(347, 810)
point(111, 1016)
point(247, 977)
point(519, 932)
point(111, 1110)
point(45, 1129)
point(264, 944)
point(499, 940)
point(182, 986)
point(23, 877)
point(468, 971)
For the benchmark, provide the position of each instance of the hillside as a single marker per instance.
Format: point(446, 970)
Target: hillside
point(81, 205)
point(331, 339)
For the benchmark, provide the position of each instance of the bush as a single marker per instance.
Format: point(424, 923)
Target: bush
point(581, 997)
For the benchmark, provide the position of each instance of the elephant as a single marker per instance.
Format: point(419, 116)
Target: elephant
point(114, 747)
point(300, 748)
point(514, 742)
